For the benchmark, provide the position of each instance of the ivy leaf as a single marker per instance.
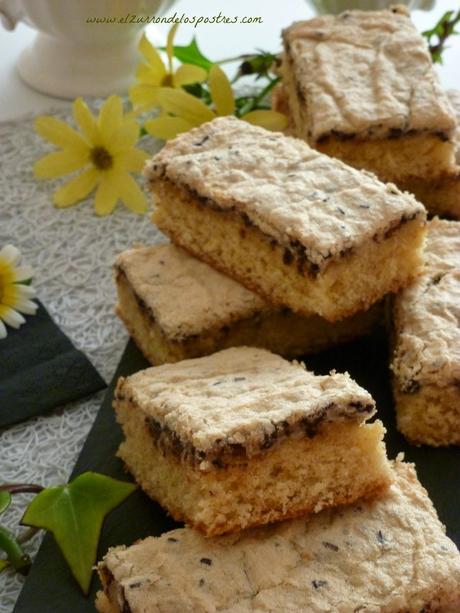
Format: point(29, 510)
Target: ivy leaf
point(5, 500)
point(74, 514)
point(191, 54)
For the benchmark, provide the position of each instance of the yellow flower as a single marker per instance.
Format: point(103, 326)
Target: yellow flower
point(104, 151)
point(185, 111)
point(15, 297)
point(153, 74)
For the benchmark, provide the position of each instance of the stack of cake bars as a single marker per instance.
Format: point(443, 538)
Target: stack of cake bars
point(280, 475)
point(361, 87)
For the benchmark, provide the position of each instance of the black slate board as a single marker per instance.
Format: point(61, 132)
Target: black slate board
point(50, 587)
point(40, 370)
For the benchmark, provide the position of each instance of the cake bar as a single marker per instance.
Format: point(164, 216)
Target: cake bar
point(442, 196)
point(426, 359)
point(176, 307)
point(301, 229)
point(389, 555)
point(243, 438)
point(361, 87)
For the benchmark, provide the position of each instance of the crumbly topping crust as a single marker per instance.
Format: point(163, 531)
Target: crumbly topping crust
point(384, 556)
point(185, 296)
point(242, 399)
point(381, 63)
point(454, 97)
point(427, 315)
point(303, 199)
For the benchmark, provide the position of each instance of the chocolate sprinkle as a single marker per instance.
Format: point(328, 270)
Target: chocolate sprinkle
point(202, 141)
point(330, 546)
point(206, 561)
point(380, 537)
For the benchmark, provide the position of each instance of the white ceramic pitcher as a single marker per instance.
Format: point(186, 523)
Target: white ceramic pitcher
point(83, 47)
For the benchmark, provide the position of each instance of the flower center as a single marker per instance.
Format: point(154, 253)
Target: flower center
point(101, 158)
point(167, 81)
point(2, 288)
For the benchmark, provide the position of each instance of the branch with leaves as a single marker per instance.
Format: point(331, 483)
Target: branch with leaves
point(442, 31)
point(73, 513)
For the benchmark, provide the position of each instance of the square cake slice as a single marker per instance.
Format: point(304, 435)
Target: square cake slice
point(243, 438)
point(299, 228)
point(177, 307)
point(389, 555)
point(426, 358)
point(361, 87)
point(442, 196)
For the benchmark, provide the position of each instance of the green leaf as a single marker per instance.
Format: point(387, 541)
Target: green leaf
point(438, 36)
point(3, 564)
point(191, 54)
point(74, 514)
point(5, 500)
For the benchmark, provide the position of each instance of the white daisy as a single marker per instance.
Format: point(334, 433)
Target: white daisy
point(15, 296)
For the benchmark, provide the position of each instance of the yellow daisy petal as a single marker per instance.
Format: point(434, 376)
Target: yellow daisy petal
point(60, 163)
point(146, 75)
point(107, 193)
point(110, 117)
point(86, 120)
point(131, 194)
point(59, 133)
point(133, 160)
point(184, 105)
point(77, 189)
point(271, 120)
point(125, 137)
point(153, 58)
point(170, 46)
point(167, 127)
point(221, 91)
point(187, 74)
point(144, 96)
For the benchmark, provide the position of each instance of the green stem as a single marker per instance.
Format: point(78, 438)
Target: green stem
point(27, 535)
point(254, 102)
point(266, 90)
point(16, 556)
point(237, 58)
point(21, 488)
